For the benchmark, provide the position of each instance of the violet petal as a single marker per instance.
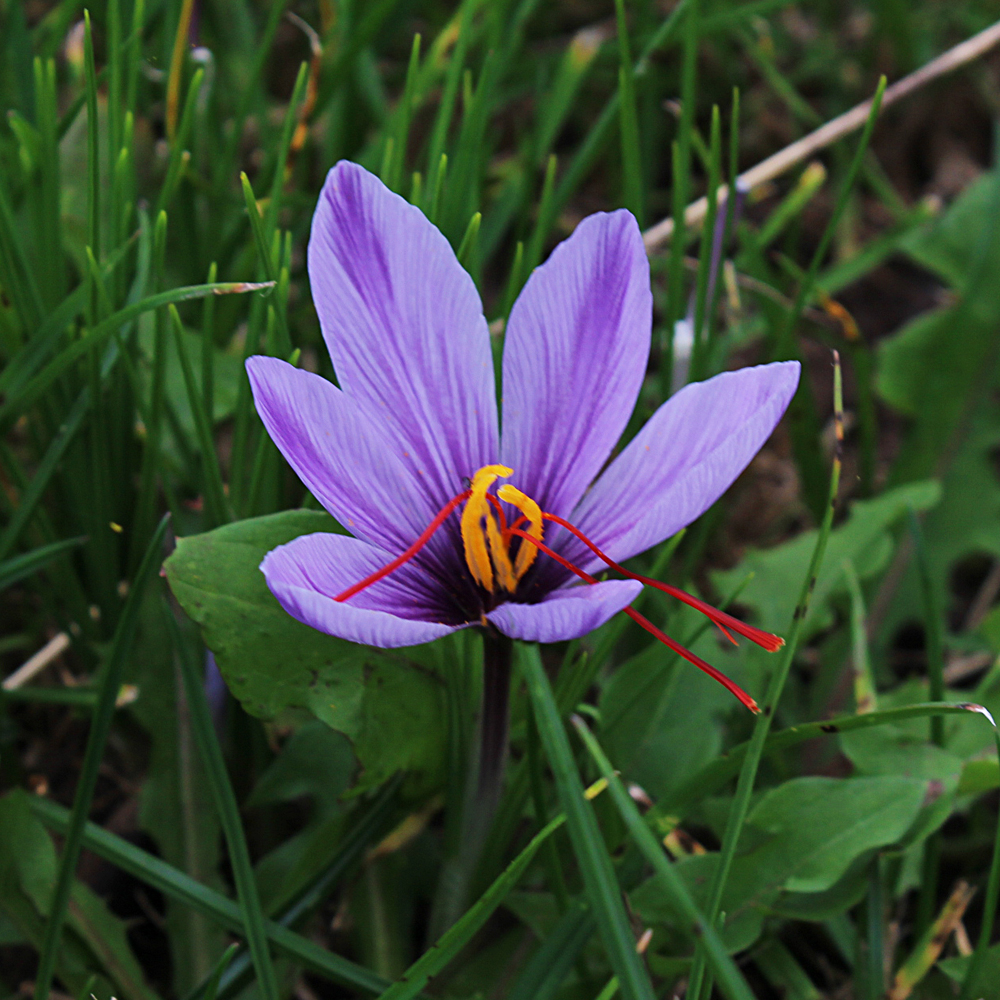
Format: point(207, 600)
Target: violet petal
point(682, 461)
point(568, 613)
point(307, 573)
point(352, 467)
point(404, 326)
point(574, 359)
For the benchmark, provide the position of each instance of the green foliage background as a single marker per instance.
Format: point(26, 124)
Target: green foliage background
point(159, 164)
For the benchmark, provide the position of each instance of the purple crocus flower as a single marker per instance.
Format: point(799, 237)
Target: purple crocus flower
point(407, 452)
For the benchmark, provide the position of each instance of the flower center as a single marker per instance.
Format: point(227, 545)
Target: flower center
point(486, 537)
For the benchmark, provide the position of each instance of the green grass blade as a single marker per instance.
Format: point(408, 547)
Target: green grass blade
point(462, 931)
point(133, 53)
point(802, 410)
point(933, 627)
point(217, 507)
point(784, 338)
point(732, 984)
point(462, 195)
point(50, 246)
point(116, 124)
point(610, 989)
point(559, 99)
point(628, 122)
point(513, 280)
point(315, 892)
point(869, 970)
point(396, 168)
point(865, 698)
point(467, 248)
point(712, 777)
point(681, 186)
point(586, 156)
point(588, 845)
point(265, 256)
point(208, 347)
point(553, 862)
point(79, 697)
point(699, 362)
point(12, 570)
point(229, 816)
point(543, 975)
point(933, 624)
point(748, 772)
point(17, 402)
point(176, 68)
point(45, 338)
point(93, 143)
point(449, 94)
point(435, 186)
point(175, 884)
point(178, 154)
point(100, 725)
point(366, 30)
point(211, 990)
point(990, 904)
point(146, 502)
point(225, 167)
point(16, 277)
point(43, 473)
point(546, 217)
point(284, 145)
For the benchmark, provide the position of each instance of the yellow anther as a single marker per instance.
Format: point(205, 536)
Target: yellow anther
point(527, 552)
point(506, 576)
point(491, 562)
point(476, 508)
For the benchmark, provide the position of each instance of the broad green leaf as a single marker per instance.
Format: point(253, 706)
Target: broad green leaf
point(801, 837)
point(894, 750)
point(945, 368)
point(391, 710)
point(965, 523)
point(864, 539)
point(989, 975)
point(314, 762)
point(947, 245)
point(979, 776)
point(817, 826)
point(659, 721)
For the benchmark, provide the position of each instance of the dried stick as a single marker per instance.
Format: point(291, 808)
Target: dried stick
point(833, 130)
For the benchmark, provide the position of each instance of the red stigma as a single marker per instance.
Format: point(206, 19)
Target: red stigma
point(425, 537)
point(645, 623)
point(766, 640)
point(724, 621)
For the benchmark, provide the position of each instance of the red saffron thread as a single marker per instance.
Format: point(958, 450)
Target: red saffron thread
point(766, 640)
point(424, 538)
point(645, 623)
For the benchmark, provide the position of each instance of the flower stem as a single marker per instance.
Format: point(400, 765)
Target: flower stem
point(484, 782)
point(494, 723)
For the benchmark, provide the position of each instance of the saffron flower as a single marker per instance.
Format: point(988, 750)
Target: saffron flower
point(455, 523)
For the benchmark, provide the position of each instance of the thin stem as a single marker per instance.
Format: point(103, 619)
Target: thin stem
point(699, 984)
point(494, 724)
point(483, 785)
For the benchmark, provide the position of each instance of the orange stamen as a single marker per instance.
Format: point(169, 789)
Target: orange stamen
point(766, 640)
point(424, 538)
point(645, 623)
